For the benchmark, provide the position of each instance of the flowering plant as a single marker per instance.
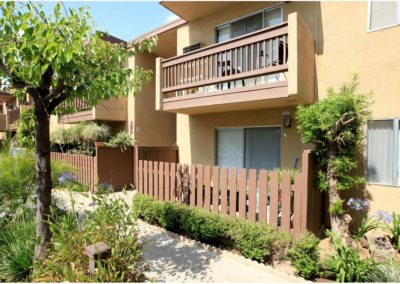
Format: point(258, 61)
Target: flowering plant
point(357, 204)
point(383, 216)
point(65, 177)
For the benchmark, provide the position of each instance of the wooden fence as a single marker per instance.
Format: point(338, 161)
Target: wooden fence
point(113, 166)
point(264, 196)
point(85, 167)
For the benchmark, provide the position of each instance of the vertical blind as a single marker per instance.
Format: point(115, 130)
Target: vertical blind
point(381, 152)
point(384, 14)
point(255, 148)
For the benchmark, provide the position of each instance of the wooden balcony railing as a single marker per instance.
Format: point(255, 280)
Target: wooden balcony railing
point(259, 53)
point(78, 105)
point(13, 115)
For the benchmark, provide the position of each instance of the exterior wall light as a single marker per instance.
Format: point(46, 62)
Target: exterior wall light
point(287, 120)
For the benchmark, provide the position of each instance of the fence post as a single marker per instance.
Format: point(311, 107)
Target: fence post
point(311, 197)
point(137, 155)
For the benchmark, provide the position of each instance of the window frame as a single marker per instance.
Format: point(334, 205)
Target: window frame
point(396, 153)
point(369, 30)
point(244, 140)
point(228, 23)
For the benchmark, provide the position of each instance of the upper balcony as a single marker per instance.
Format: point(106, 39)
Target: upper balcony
point(269, 68)
point(111, 110)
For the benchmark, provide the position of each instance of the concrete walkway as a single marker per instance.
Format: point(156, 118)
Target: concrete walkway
point(173, 258)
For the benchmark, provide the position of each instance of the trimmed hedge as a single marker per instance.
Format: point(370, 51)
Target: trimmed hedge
point(256, 241)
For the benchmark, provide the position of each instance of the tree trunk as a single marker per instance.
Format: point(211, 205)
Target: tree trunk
point(339, 223)
point(43, 179)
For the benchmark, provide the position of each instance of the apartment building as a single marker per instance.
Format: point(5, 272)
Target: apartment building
point(134, 114)
point(241, 68)
point(10, 111)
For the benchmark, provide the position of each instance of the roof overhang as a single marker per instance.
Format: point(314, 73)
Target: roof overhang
point(192, 10)
point(166, 38)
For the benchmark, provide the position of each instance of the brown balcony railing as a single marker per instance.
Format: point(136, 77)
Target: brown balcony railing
point(13, 115)
point(78, 105)
point(259, 53)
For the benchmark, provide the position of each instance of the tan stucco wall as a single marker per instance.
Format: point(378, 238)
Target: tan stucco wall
point(343, 46)
point(197, 142)
point(151, 127)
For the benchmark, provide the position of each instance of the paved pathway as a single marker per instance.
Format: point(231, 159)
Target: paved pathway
point(173, 258)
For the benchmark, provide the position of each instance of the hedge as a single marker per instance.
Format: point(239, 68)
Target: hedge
point(256, 241)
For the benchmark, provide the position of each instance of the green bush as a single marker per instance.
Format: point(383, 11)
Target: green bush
point(26, 128)
point(253, 240)
point(111, 223)
point(122, 139)
point(388, 271)
point(346, 265)
point(395, 230)
point(17, 243)
point(304, 255)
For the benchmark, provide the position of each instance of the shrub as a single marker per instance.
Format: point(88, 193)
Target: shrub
point(26, 128)
point(111, 223)
point(122, 139)
point(395, 230)
point(17, 243)
point(385, 272)
point(253, 240)
point(346, 265)
point(304, 256)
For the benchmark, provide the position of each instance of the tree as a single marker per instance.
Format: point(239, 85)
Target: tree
point(56, 58)
point(333, 126)
point(26, 128)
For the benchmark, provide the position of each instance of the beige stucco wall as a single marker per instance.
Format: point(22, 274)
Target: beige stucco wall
point(343, 46)
point(197, 134)
point(151, 127)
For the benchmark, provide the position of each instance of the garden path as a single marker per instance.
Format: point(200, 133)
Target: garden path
point(173, 258)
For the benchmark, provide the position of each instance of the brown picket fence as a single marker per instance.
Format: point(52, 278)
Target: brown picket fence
point(262, 196)
point(113, 166)
point(84, 166)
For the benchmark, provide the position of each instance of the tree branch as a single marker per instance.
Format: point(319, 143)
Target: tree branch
point(56, 91)
point(51, 106)
point(342, 122)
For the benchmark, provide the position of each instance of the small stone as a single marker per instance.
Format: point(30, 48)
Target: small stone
point(98, 251)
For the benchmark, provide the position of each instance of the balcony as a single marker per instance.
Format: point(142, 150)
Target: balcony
point(8, 121)
point(3, 122)
point(269, 68)
point(111, 110)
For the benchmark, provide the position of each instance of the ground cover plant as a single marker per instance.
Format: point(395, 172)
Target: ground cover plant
point(256, 241)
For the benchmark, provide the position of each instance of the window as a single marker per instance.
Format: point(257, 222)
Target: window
point(383, 14)
point(253, 148)
point(383, 152)
point(264, 19)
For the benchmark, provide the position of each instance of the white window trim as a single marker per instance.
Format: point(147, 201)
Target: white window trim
point(381, 28)
point(396, 153)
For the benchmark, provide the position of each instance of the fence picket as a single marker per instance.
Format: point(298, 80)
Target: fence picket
point(179, 183)
point(185, 188)
point(166, 181)
point(151, 178)
point(224, 190)
point(285, 208)
point(262, 192)
point(232, 191)
point(199, 199)
point(207, 187)
point(297, 204)
point(141, 176)
point(156, 187)
point(215, 190)
point(145, 174)
point(192, 193)
point(252, 195)
point(274, 195)
point(242, 193)
point(161, 181)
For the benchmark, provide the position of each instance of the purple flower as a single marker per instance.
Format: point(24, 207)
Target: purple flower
point(357, 204)
point(92, 203)
point(66, 176)
point(104, 187)
point(383, 216)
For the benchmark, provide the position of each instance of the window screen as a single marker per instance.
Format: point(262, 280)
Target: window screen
point(384, 14)
point(223, 33)
point(380, 152)
point(230, 148)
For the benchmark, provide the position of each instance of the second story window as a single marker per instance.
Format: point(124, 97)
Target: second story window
point(263, 19)
point(383, 14)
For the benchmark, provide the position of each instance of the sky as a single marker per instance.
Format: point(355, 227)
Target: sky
point(123, 19)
